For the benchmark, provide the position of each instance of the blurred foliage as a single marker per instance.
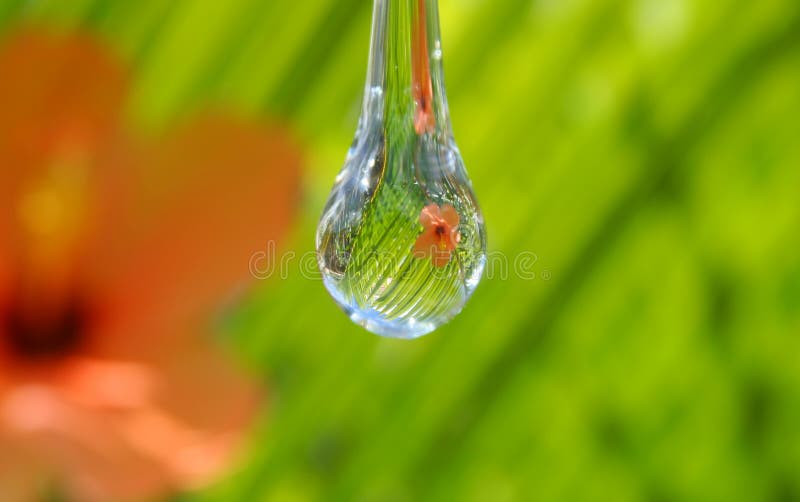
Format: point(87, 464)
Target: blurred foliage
point(647, 152)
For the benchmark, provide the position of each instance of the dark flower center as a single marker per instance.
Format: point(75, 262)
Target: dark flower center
point(440, 230)
point(46, 336)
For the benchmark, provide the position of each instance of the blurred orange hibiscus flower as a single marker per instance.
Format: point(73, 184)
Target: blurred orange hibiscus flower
point(113, 251)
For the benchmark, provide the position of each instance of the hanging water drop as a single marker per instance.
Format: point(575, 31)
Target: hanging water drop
point(401, 243)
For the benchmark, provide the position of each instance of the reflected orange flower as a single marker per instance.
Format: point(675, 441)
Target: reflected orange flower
point(440, 235)
point(113, 251)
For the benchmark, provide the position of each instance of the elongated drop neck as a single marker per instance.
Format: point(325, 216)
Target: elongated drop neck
point(405, 79)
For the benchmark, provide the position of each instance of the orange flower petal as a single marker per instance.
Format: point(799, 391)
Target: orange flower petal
point(65, 88)
point(5, 271)
point(429, 215)
point(440, 258)
point(449, 214)
point(425, 243)
point(83, 446)
point(20, 475)
point(214, 194)
point(201, 413)
point(175, 437)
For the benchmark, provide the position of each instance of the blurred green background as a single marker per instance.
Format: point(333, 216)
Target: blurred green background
point(646, 151)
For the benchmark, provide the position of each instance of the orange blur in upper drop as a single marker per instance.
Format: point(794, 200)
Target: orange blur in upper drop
point(424, 119)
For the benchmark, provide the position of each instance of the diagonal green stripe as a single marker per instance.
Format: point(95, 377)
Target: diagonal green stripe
point(745, 71)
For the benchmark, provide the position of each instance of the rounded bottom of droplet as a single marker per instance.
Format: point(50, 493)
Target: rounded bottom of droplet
point(373, 321)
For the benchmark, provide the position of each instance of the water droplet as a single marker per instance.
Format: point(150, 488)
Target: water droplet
point(401, 243)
